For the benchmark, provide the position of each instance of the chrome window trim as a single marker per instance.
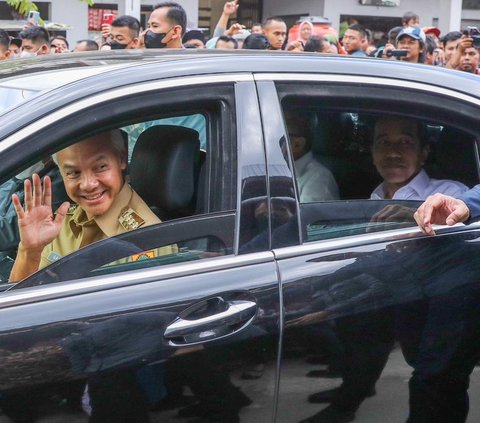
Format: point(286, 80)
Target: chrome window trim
point(134, 88)
point(129, 278)
point(366, 239)
point(370, 80)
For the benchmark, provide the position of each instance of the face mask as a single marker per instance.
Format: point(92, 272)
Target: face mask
point(29, 171)
point(154, 39)
point(24, 53)
point(115, 45)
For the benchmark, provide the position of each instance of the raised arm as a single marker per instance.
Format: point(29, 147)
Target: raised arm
point(37, 225)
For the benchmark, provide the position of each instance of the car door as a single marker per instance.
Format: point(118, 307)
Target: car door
point(378, 318)
point(192, 334)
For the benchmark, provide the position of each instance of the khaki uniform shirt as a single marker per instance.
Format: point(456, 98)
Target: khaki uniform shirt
point(127, 212)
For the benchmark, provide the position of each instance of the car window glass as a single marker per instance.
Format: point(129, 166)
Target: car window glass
point(168, 171)
point(359, 172)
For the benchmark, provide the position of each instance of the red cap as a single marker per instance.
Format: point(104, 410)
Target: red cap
point(431, 30)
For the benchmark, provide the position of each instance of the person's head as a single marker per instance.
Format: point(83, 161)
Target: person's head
point(15, 47)
point(355, 38)
point(316, 43)
point(86, 45)
point(194, 39)
point(35, 41)
point(256, 28)
point(399, 150)
point(226, 42)
point(92, 171)
point(275, 29)
point(256, 42)
point(59, 44)
point(166, 26)
point(124, 33)
point(412, 39)
point(470, 60)
point(430, 46)
point(410, 19)
point(298, 125)
point(392, 34)
point(450, 42)
point(4, 44)
point(305, 30)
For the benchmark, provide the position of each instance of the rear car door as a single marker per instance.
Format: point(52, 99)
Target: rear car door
point(192, 334)
point(378, 318)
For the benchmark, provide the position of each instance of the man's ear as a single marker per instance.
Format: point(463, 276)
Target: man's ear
point(45, 49)
point(177, 31)
point(135, 42)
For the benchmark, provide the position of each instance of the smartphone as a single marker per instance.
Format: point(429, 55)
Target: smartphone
point(108, 18)
point(33, 17)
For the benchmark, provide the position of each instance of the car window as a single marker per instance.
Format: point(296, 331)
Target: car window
point(168, 175)
point(359, 171)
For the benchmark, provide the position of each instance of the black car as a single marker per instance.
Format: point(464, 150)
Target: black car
point(274, 307)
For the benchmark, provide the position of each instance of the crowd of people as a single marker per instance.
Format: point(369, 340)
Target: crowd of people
point(167, 28)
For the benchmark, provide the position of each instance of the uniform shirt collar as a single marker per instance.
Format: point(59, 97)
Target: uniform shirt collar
point(107, 222)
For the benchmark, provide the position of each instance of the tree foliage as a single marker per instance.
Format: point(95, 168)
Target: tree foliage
point(25, 6)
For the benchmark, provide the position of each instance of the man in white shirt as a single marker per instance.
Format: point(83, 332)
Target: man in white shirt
point(314, 181)
point(399, 154)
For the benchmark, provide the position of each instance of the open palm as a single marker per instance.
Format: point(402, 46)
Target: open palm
point(37, 224)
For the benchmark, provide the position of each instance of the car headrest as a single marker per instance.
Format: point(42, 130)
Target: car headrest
point(328, 133)
point(164, 169)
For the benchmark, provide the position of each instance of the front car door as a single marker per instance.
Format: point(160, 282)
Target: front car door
point(192, 334)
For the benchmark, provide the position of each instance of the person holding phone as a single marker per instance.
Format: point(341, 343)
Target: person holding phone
point(35, 42)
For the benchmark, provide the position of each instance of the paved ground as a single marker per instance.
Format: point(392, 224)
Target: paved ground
point(388, 406)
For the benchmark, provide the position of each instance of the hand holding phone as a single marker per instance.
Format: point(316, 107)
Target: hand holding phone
point(33, 17)
point(108, 18)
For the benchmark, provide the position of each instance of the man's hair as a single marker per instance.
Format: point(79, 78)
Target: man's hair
point(430, 44)
point(269, 20)
point(360, 29)
point(450, 36)
point(314, 44)
point(392, 34)
point(256, 42)
point(227, 39)
point(129, 22)
point(408, 16)
point(59, 37)
point(91, 44)
point(118, 143)
point(421, 127)
point(37, 35)
point(4, 39)
point(175, 13)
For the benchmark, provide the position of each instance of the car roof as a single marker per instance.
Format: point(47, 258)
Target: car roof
point(83, 74)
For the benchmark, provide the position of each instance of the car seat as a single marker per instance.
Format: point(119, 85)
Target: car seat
point(164, 169)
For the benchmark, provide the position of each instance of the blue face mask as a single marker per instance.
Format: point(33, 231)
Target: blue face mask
point(154, 39)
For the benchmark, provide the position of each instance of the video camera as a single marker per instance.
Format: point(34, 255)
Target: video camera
point(396, 53)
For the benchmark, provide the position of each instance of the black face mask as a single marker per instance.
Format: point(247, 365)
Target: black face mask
point(154, 39)
point(115, 45)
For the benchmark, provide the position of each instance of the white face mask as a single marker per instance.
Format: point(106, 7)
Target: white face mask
point(29, 171)
point(24, 53)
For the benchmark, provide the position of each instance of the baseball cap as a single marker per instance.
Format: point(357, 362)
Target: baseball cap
point(413, 32)
point(431, 30)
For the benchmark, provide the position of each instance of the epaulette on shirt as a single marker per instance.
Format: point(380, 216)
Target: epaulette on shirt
point(129, 219)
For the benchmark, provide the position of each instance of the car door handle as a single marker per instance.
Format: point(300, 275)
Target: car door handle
point(234, 316)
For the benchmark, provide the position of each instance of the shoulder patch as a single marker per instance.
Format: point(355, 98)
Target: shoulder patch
point(129, 219)
point(72, 208)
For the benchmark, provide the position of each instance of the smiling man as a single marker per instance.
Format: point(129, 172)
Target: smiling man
point(399, 153)
point(104, 205)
